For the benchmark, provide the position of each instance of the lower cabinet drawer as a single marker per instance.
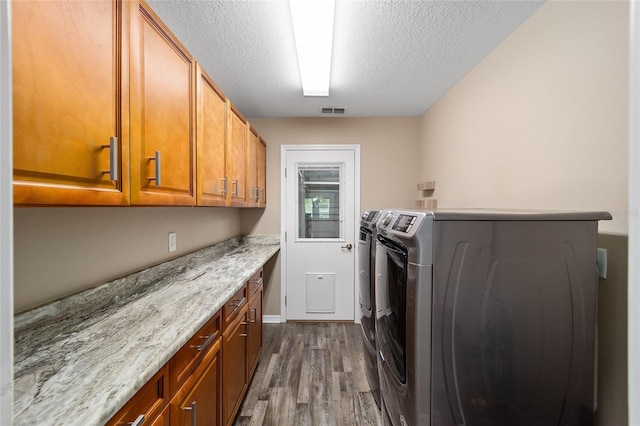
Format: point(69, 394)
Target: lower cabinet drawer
point(147, 404)
point(191, 354)
point(255, 283)
point(233, 307)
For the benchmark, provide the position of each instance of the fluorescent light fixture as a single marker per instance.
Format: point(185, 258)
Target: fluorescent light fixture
point(313, 30)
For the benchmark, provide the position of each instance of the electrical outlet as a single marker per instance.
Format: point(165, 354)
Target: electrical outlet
point(172, 242)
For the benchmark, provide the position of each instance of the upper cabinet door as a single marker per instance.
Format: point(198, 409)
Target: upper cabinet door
point(212, 183)
point(262, 173)
point(69, 92)
point(162, 113)
point(252, 168)
point(236, 156)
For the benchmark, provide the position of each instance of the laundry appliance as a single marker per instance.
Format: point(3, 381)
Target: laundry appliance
point(486, 317)
point(366, 263)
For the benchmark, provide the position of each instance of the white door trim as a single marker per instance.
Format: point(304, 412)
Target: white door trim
point(283, 216)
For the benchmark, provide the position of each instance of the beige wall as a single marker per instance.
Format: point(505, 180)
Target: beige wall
point(60, 251)
point(541, 122)
point(388, 168)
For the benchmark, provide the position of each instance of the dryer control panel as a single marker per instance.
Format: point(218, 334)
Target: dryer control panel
point(402, 223)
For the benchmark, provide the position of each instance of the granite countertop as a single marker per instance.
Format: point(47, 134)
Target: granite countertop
point(80, 359)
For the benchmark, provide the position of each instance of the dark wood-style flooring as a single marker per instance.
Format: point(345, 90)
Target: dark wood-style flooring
point(310, 374)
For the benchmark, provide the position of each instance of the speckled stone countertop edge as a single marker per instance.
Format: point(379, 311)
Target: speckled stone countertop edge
point(87, 368)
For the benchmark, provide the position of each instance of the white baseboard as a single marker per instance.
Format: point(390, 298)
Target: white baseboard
point(271, 319)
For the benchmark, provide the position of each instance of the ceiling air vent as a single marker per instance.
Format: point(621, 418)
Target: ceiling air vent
point(334, 110)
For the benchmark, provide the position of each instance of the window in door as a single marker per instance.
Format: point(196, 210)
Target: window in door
point(320, 206)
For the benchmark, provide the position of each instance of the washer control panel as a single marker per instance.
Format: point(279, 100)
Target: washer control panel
point(404, 223)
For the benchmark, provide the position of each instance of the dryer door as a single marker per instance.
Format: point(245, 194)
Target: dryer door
point(391, 304)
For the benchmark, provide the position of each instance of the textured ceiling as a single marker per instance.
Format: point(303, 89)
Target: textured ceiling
point(390, 58)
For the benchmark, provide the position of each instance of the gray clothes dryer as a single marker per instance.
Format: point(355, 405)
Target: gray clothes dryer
point(486, 317)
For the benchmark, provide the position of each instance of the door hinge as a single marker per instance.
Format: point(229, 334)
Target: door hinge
point(285, 172)
point(285, 300)
point(285, 236)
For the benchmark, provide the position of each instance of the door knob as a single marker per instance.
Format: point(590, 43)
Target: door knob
point(348, 246)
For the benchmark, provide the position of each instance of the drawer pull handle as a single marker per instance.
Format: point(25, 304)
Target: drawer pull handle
point(209, 339)
point(225, 185)
point(193, 413)
point(138, 421)
point(113, 158)
point(240, 302)
point(236, 305)
point(243, 335)
point(235, 185)
point(157, 177)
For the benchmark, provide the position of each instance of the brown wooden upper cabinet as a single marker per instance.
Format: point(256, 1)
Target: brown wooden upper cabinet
point(236, 156)
point(252, 168)
point(70, 90)
point(262, 173)
point(163, 122)
point(212, 183)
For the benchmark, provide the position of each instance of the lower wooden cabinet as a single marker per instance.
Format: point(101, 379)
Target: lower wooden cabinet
point(234, 366)
point(254, 325)
point(197, 402)
point(205, 381)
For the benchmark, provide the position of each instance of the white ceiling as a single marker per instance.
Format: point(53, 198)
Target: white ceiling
point(390, 58)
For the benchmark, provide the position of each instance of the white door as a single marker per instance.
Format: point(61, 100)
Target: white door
point(320, 202)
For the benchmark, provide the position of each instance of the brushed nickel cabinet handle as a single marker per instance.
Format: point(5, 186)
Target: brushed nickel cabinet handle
point(113, 158)
point(235, 191)
point(209, 339)
point(138, 421)
point(255, 315)
point(157, 177)
point(240, 302)
point(193, 407)
point(225, 184)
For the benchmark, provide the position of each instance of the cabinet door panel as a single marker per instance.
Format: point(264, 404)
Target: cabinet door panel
point(162, 111)
point(67, 102)
point(262, 173)
point(234, 367)
point(252, 168)
point(254, 331)
point(211, 143)
point(237, 152)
